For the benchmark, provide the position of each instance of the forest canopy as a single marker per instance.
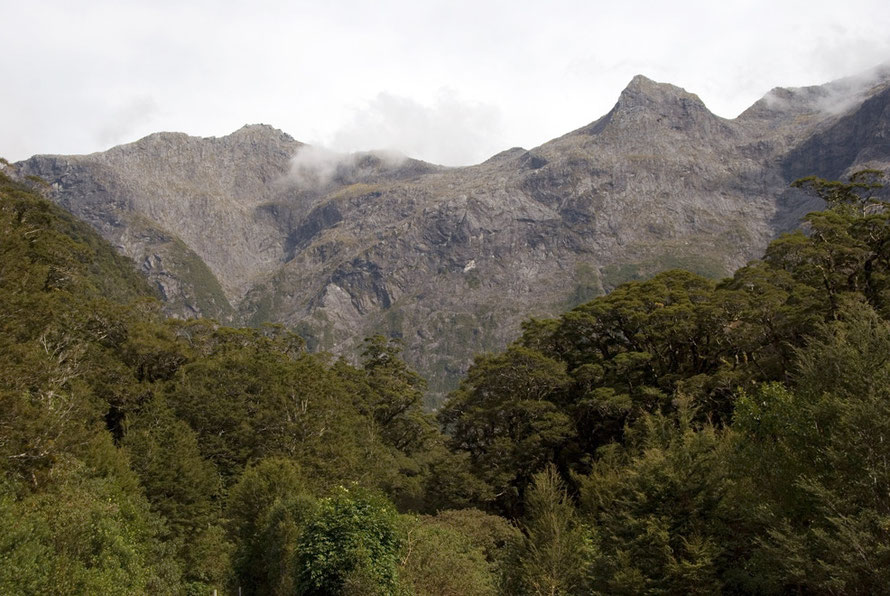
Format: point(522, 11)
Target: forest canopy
point(675, 435)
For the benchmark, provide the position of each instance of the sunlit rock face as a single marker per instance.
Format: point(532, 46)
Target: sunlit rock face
point(257, 227)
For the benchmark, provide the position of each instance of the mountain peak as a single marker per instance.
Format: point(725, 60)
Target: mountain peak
point(258, 128)
point(641, 81)
point(645, 101)
point(248, 131)
point(644, 92)
point(256, 131)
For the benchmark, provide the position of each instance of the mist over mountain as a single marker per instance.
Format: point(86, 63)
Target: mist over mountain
point(257, 227)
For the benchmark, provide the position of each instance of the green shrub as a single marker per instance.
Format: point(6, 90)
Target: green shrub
point(351, 547)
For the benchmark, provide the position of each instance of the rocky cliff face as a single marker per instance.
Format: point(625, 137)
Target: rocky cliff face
point(256, 227)
point(190, 211)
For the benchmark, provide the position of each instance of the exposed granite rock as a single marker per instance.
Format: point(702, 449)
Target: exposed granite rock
point(453, 259)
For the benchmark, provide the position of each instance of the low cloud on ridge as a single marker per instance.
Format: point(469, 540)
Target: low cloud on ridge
point(834, 98)
point(314, 167)
point(450, 131)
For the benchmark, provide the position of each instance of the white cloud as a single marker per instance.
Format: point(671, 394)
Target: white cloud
point(362, 75)
point(845, 93)
point(314, 167)
point(449, 131)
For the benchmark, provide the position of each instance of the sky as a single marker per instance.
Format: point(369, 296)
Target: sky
point(449, 82)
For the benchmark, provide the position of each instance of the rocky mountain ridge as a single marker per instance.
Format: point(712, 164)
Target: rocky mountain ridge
point(257, 227)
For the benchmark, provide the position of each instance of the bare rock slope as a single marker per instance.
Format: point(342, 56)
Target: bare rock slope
point(257, 227)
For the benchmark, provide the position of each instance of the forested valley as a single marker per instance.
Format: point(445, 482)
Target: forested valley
point(677, 436)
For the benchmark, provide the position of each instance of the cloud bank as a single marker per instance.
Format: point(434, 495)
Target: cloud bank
point(449, 131)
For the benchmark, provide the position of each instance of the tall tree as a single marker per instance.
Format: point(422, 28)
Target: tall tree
point(557, 549)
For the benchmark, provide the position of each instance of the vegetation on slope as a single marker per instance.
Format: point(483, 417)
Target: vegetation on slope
point(678, 435)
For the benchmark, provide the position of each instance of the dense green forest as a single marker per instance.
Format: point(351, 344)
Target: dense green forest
point(678, 435)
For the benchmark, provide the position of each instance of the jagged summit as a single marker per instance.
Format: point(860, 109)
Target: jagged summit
point(260, 131)
point(643, 92)
point(259, 126)
point(645, 104)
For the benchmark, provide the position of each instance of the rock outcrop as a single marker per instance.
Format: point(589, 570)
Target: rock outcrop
point(257, 227)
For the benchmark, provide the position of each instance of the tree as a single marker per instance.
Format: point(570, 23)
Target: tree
point(497, 539)
point(848, 245)
point(351, 547)
point(506, 416)
point(821, 461)
point(182, 487)
point(259, 490)
point(557, 549)
point(395, 395)
point(442, 561)
point(277, 543)
point(85, 533)
point(659, 507)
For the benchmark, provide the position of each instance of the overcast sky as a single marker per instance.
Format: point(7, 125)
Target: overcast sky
point(451, 82)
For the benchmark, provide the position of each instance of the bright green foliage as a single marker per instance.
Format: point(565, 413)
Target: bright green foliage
point(462, 551)
point(493, 534)
point(206, 559)
point(350, 547)
point(442, 561)
point(83, 534)
point(258, 488)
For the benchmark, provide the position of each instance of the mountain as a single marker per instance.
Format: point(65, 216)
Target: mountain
point(256, 226)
